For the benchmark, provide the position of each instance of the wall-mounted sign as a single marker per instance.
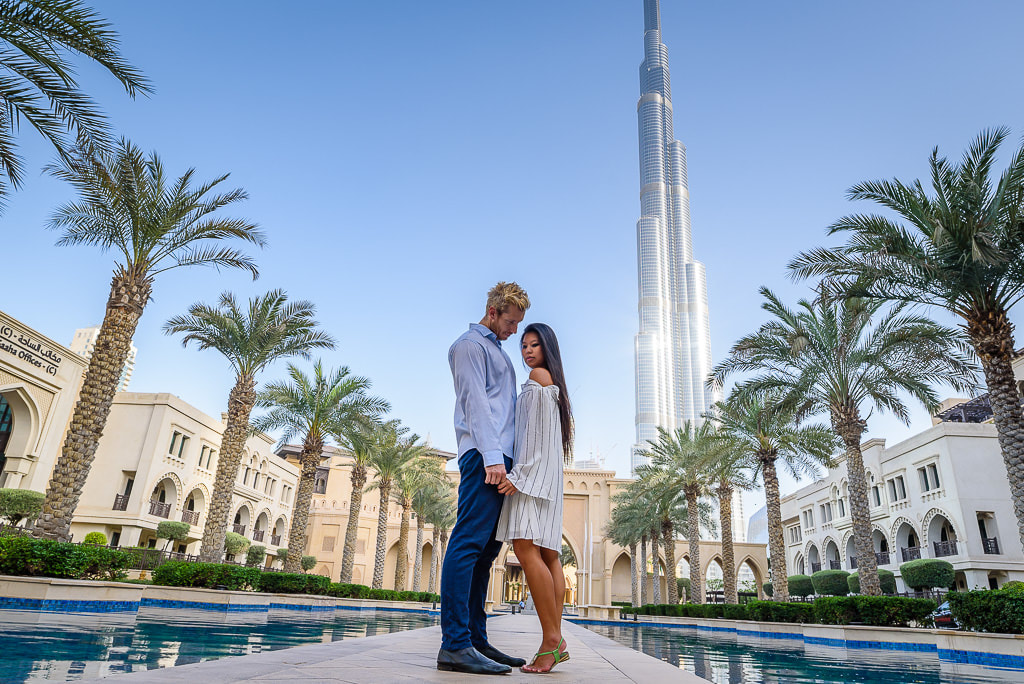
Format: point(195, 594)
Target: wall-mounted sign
point(30, 349)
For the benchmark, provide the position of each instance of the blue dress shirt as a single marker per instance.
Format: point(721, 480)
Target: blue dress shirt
point(485, 395)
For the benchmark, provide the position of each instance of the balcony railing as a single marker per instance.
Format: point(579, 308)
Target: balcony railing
point(910, 553)
point(882, 557)
point(275, 539)
point(120, 502)
point(239, 529)
point(160, 510)
point(990, 545)
point(815, 567)
point(945, 548)
point(257, 535)
point(835, 565)
point(190, 517)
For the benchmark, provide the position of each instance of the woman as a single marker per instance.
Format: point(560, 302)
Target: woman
point(531, 517)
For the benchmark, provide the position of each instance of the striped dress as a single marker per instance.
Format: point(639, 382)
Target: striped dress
point(535, 511)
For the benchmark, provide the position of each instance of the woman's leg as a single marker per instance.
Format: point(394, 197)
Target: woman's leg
point(552, 559)
point(538, 576)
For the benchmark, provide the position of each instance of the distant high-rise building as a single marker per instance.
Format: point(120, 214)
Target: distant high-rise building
point(757, 528)
point(84, 343)
point(673, 345)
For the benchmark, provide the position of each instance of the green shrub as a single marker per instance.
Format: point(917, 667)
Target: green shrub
point(308, 563)
point(255, 555)
point(282, 554)
point(734, 612)
point(835, 610)
point(830, 582)
point(383, 595)
point(172, 530)
point(893, 611)
point(989, 610)
point(886, 578)
point(357, 591)
point(773, 611)
point(283, 583)
point(769, 590)
point(209, 575)
point(20, 504)
point(235, 543)
point(95, 538)
point(928, 573)
point(48, 558)
point(800, 585)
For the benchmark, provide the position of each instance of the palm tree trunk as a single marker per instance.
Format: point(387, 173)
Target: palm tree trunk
point(728, 554)
point(693, 534)
point(444, 550)
point(435, 556)
point(417, 572)
point(128, 297)
point(309, 459)
point(848, 425)
point(382, 537)
point(656, 583)
point(355, 506)
point(634, 575)
point(643, 570)
point(402, 559)
point(776, 539)
point(671, 585)
point(992, 338)
point(232, 446)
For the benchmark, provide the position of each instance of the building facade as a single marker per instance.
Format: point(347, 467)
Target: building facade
point(673, 345)
point(83, 344)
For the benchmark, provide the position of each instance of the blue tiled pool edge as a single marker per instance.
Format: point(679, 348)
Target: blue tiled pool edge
point(106, 606)
point(999, 660)
point(67, 605)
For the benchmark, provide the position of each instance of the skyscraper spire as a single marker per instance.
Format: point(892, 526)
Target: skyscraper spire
point(673, 345)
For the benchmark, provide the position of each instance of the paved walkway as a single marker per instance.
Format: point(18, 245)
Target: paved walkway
point(411, 657)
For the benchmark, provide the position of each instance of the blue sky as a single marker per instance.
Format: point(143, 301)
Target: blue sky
point(404, 156)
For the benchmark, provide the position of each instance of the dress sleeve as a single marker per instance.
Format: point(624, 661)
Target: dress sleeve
point(538, 455)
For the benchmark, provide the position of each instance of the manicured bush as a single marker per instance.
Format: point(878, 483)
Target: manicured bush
point(830, 582)
point(97, 538)
point(209, 575)
point(989, 610)
point(886, 578)
point(773, 611)
point(255, 555)
point(799, 585)
point(357, 591)
point(893, 611)
point(768, 589)
point(928, 573)
point(734, 612)
point(282, 554)
point(47, 558)
point(20, 504)
point(294, 583)
point(172, 530)
point(235, 543)
point(308, 563)
point(835, 610)
point(383, 594)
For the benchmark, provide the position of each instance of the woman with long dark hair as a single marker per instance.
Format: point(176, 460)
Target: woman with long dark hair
point(531, 517)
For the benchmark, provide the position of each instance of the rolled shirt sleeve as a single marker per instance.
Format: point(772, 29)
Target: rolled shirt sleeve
point(538, 450)
point(469, 370)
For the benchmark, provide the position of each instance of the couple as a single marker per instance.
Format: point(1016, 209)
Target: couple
point(510, 462)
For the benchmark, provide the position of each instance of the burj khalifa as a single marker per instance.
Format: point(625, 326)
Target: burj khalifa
point(673, 345)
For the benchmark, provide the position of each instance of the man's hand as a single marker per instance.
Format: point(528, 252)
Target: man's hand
point(495, 474)
point(507, 488)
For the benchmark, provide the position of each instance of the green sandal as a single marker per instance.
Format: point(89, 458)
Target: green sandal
point(562, 655)
point(556, 654)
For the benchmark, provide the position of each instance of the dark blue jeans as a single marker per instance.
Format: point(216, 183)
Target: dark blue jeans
point(471, 551)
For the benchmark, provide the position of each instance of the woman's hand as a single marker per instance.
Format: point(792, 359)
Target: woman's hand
point(507, 488)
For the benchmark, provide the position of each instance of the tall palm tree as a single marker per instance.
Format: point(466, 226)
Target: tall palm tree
point(152, 224)
point(844, 357)
point(765, 428)
point(436, 492)
point(37, 37)
point(626, 528)
point(360, 443)
point(654, 534)
point(317, 407)
point(392, 453)
point(684, 455)
point(961, 248)
point(422, 473)
point(729, 472)
point(667, 506)
point(250, 338)
point(443, 519)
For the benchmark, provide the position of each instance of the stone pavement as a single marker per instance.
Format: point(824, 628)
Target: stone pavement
point(411, 657)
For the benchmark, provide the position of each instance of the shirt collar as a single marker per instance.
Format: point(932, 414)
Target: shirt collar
point(486, 332)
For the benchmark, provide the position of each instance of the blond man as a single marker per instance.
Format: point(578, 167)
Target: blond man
point(485, 409)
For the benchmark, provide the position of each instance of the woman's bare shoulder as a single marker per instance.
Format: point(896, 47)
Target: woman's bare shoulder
point(542, 376)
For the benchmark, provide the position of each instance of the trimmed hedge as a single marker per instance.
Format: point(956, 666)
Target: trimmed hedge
point(989, 610)
point(928, 573)
point(97, 538)
point(208, 575)
point(799, 585)
point(31, 557)
point(294, 583)
point(879, 611)
point(886, 577)
point(830, 582)
point(835, 610)
point(774, 611)
point(768, 589)
point(894, 611)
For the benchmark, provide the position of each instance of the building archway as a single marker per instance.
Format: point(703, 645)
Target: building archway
point(907, 541)
point(426, 559)
point(622, 579)
point(747, 574)
point(390, 563)
point(831, 560)
point(813, 559)
point(939, 534)
point(19, 430)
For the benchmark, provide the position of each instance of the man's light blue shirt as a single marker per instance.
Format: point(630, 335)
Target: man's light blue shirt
point(485, 395)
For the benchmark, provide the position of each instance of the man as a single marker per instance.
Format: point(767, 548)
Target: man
point(485, 409)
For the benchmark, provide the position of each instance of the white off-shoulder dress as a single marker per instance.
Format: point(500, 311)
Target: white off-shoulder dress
point(535, 511)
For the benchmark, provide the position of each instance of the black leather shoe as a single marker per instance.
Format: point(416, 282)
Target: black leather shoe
point(499, 657)
point(469, 660)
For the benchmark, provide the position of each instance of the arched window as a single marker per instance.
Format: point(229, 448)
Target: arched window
point(6, 425)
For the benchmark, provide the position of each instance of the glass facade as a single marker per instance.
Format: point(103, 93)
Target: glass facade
point(673, 345)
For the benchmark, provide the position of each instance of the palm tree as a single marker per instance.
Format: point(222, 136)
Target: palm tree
point(39, 85)
point(422, 473)
point(667, 506)
point(317, 407)
point(271, 328)
point(842, 357)
point(391, 454)
point(360, 443)
point(684, 455)
point(625, 528)
point(960, 249)
point(443, 519)
point(654, 534)
point(437, 492)
point(762, 426)
point(729, 472)
point(127, 205)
